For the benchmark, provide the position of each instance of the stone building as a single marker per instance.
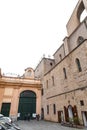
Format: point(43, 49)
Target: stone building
point(64, 78)
point(62, 81)
point(20, 95)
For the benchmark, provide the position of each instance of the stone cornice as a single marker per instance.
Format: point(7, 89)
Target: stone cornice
point(19, 82)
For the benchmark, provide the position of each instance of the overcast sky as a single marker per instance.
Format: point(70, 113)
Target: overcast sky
point(29, 29)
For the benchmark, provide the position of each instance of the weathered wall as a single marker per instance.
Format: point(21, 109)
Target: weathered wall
point(58, 94)
point(74, 20)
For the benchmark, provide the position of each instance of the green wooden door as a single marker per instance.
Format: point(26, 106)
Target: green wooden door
point(27, 104)
point(5, 109)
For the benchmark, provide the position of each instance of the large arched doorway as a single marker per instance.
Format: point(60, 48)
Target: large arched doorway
point(27, 104)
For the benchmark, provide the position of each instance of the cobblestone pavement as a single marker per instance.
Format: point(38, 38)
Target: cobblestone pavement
point(43, 125)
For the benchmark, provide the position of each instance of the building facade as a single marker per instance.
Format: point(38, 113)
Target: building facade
point(57, 88)
point(20, 95)
point(64, 78)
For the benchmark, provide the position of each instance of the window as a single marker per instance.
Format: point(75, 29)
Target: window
point(47, 109)
point(78, 65)
point(64, 71)
point(80, 40)
point(51, 63)
point(53, 80)
point(60, 56)
point(81, 102)
point(54, 108)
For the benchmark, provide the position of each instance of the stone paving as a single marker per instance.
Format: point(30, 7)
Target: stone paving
point(43, 125)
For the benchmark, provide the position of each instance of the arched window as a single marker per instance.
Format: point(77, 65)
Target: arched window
point(83, 15)
point(64, 71)
point(80, 40)
point(80, 11)
point(78, 65)
point(60, 56)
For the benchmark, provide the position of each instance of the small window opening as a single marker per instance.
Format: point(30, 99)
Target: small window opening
point(51, 64)
point(47, 109)
point(60, 57)
point(81, 102)
point(64, 71)
point(78, 65)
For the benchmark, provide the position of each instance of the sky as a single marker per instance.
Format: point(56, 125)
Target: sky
point(30, 29)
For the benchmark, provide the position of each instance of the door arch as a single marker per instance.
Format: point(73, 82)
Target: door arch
point(70, 112)
point(27, 104)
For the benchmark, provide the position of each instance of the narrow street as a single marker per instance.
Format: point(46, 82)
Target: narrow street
point(43, 125)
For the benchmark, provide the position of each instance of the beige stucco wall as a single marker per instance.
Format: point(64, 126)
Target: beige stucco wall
point(10, 92)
